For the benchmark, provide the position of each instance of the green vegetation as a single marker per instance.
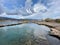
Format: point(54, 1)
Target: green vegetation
point(57, 20)
point(52, 20)
point(49, 20)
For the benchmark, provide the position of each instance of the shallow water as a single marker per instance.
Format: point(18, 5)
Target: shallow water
point(53, 40)
point(23, 34)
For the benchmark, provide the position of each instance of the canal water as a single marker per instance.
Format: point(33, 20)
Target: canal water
point(26, 34)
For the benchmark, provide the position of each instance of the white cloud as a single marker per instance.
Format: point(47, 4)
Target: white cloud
point(52, 12)
point(39, 7)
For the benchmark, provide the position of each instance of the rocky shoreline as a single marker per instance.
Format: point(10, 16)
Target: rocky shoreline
point(55, 33)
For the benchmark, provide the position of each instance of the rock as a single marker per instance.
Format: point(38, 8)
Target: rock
point(55, 33)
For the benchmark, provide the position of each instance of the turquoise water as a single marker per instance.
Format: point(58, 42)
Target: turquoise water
point(25, 34)
point(19, 34)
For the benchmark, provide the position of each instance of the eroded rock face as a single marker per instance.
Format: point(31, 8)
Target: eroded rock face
point(21, 35)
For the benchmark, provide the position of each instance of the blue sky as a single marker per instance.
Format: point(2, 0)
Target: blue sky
point(17, 3)
point(35, 9)
point(21, 3)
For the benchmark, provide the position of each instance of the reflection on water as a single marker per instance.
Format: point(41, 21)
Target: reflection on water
point(53, 40)
point(24, 34)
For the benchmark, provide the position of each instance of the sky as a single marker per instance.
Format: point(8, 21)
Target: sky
point(30, 9)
